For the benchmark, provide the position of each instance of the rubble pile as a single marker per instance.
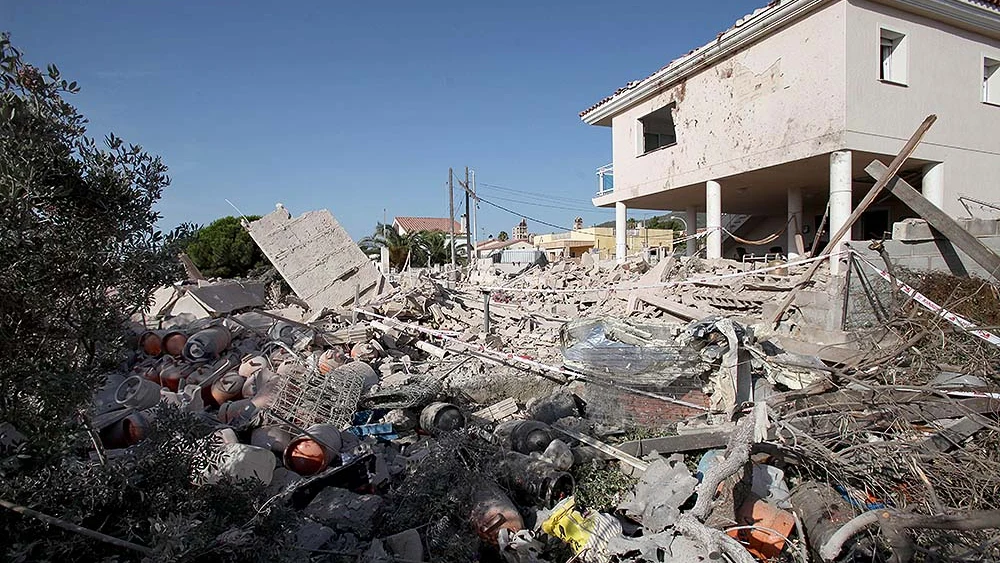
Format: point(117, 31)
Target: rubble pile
point(445, 421)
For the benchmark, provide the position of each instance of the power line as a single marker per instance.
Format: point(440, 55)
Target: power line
point(547, 197)
point(512, 212)
point(576, 209)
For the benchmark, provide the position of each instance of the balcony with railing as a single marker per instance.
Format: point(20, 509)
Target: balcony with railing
point(605, 179)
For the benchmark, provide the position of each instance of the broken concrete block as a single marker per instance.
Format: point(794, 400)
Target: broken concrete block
point(187, 307)
point(343, 510)
point(312, 535)
point(664, 488)
point(281, 480)
point(317, 258)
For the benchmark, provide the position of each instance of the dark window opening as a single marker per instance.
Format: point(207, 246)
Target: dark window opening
point(658, 129)
point(875, 225)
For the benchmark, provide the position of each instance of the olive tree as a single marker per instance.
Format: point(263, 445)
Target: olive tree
point(79, 253)
point(78, 246)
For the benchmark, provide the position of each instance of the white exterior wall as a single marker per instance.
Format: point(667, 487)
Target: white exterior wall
point(944, 77)
point(780, 100)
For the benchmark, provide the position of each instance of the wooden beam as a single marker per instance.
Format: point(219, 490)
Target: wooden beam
point(894, 167)
point(612, 451)
point(938, 219)
point(704, 440)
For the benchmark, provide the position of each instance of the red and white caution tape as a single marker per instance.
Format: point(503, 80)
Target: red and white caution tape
point(938, 310)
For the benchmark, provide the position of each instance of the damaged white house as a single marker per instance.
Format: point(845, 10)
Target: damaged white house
point(779, 116)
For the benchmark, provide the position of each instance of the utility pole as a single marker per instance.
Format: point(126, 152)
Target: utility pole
point(468, 241)
point(475, 214)
point(451, 215)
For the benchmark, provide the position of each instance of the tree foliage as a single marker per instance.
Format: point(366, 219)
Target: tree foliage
point(431, 247)
point(146, 496)
point(424, 248)
point(78, 247)
point(224, 249)
point(385, 236)
point(79, 253)
point(503, 236)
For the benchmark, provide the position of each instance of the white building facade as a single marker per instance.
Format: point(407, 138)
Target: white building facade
point(779, 116)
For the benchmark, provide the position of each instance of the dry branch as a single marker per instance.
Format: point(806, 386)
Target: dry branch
point(736, 456)
point(74, 528)
point(894, 523)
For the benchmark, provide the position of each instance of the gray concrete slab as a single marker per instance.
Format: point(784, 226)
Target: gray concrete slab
point(318, 259)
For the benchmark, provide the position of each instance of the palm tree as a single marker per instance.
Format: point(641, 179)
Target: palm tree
point(431, 247)
point(385, 236)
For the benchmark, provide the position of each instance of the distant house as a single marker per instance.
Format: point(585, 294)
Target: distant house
point(520, 231)
point(601, 240)
point(487, 249)
point(408, 225)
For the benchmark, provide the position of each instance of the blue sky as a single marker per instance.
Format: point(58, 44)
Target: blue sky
point(360, 107)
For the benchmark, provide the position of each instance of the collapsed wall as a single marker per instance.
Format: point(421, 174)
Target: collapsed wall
point(317, 257)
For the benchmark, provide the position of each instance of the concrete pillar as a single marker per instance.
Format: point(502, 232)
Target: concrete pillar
point(621, 224)
point(933, 183)
point(794, 222)
point(713, 210)
point(841, 206)
point(692, 229)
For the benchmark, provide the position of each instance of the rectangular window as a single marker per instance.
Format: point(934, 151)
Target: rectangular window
point(892, 57)
point(991, 81)
point(658, 130)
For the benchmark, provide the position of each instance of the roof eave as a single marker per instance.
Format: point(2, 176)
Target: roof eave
point(967, 14)
point(729, 42)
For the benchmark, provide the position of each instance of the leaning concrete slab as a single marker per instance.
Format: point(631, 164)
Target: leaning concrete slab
point(317, 258)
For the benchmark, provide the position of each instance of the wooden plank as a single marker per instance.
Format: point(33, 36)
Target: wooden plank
point(894, 167)
point(707, 440)
point(498, 412)
point(938, 219)
point(674, 308)
point(836, 355)
point(952, 435)
point(612, 451)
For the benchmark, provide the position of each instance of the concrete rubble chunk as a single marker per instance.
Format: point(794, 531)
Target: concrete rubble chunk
point(665, 486)
point(345, 511)
point(318, 259)
point(311, 535)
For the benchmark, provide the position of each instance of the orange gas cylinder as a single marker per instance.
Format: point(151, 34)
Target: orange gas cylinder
point(770, 527)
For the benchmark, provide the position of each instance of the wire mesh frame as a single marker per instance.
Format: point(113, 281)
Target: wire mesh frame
point(410, 395)
point(868, 299)
point(309, 397)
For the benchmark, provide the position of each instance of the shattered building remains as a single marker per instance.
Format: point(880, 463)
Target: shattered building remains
point(839, 405)
point(583, 410)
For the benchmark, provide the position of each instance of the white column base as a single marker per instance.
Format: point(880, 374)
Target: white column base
point(841, 204)
point(713, 208)
point(621, 225)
